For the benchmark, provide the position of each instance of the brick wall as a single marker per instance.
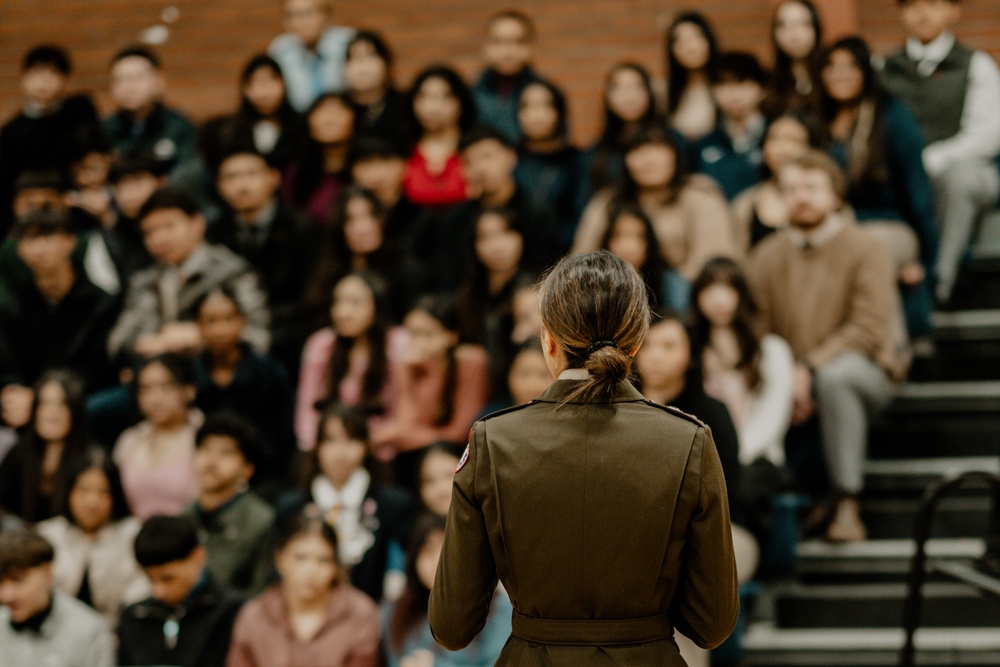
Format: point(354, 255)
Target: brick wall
point(580, 39)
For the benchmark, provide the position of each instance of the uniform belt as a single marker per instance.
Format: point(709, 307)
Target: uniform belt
point(592, 633)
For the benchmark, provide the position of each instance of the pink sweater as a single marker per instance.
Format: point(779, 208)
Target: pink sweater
point(263, 637)
point(314, 378)
point(420, 398)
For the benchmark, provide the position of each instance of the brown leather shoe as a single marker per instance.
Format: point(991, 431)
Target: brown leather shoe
point(846, 525)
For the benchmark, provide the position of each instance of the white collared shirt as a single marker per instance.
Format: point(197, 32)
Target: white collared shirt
point(575, 374)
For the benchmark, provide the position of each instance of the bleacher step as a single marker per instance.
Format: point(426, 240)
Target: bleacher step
point(880, 605)
point(767, 645)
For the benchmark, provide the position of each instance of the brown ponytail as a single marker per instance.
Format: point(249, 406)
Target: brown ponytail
point(596, 308)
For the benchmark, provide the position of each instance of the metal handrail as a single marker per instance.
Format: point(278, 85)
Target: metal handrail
point(913, 605)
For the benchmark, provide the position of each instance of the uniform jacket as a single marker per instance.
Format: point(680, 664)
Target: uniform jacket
point(607, 524)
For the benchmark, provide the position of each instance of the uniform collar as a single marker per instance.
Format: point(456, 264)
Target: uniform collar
point(560, 390)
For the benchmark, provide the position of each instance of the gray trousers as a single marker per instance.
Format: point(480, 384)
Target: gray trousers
point(962, 194)
point(850, 390)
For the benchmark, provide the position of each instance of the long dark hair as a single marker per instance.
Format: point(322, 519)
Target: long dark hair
point(810, 122)
point(867, 144)
point(559, 105)
point(443, 309)
point(660, 135)
point(411, 607)
point(654, 266)
point(94, 458)
point(782, 85)
point(286, 114)
point(311, 163)
point(377, 371)
point(727, 272)
point(355, 423)
point(474, 294)
point(677, 75)
point(609, 145)
point(379, 46)
point(458, 87)
point(74, 444)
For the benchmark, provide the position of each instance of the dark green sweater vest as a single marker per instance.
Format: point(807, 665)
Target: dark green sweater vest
point(938, 100)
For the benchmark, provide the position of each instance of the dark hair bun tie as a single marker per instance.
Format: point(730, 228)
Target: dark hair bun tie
point(600, 345)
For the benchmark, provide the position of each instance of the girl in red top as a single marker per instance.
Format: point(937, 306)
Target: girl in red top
point(442, 108)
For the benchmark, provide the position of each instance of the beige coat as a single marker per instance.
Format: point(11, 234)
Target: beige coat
point(115, 579)
point(691, 230)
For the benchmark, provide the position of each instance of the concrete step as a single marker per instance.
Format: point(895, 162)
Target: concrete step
point(952, 397)
point(967, 325)
point(877, 560)
point(764, 644)
point(895, 518)
point(907, 476)
point(880, 605)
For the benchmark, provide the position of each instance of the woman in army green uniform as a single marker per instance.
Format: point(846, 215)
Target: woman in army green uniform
point(604, 515)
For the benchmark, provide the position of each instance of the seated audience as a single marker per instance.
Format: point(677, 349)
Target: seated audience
point(750, 374)
point(56, 317)
point(550, 169)
point(954, 92)
point(133, 178)
point(670, 375)
point(265, 119)
point(630, 235)
point(93, 536)
point(279, 243)
point(313, 617)
point(54, 436)
point(731, 153)
point(188, 620)
point(311, 54)
point(435, 475)
point(360, 240)
point(158, 315)
point(234, 522)
point(797, 38)
point(232, 377)
point(524, 312)
point(440, 109)
point(498, 266)
point(156, 455)
point(442, 389)
point(354, 361)
point(372, 521)
point(408, 633)
point(489, 162)
point(47, 131)
point(319, 169)
point(877, 142)
point(378, 166)
point(381, 108)
point(36, 619)
point(828, 290)
point(692, 53)
point(760, 210)
point(689, 215)
point(629, 104)
point(141, 121)
point(507, 50)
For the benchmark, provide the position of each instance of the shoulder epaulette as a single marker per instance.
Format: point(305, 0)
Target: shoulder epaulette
point(513, 408)
point(677, 413)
